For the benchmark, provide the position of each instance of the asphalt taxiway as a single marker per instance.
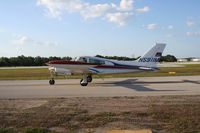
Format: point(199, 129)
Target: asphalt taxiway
point(113, 87)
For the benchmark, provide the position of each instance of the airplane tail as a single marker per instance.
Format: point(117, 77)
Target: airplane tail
point(152, 57)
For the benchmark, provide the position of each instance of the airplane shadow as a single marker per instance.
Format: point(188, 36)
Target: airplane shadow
point(190, 81)
point(141, 86)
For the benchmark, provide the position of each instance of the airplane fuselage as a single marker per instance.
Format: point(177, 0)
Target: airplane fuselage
point(109, 67)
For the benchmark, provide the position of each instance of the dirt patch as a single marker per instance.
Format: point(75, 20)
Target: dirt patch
point(161, 114)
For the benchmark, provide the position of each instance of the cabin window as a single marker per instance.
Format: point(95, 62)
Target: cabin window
point(82, 59)
point(95, 61)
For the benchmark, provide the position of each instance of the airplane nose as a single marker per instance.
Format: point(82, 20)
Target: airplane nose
point(49, 63)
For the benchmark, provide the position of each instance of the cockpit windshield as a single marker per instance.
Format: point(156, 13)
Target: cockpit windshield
point(82, 59)
point(96, 61)
point(91, 60)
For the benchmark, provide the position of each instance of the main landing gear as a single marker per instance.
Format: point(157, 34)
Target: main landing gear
point(52, 82)
point(89, 78)
point(85, 80)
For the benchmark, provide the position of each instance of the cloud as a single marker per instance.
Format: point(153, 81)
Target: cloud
point(170, 27)
point(118, 18)
point(190, 23)
point(195, 34)
point(55, 8)
point(126, 5)
point(94, 11)
point(151, 26)
point(25, 40)
point(143, 10)
point(154, 26)
point(119, 14)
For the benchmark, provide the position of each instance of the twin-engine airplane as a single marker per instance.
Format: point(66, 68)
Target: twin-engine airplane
point(88, 66)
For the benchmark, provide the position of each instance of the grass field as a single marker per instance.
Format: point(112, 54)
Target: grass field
point(43, 73)
point(165, 114)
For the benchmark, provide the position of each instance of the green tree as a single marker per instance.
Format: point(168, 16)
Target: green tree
point(168, 58)
point(117, 57)
point(4, 61)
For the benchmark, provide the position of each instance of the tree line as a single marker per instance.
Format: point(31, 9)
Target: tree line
point(29, 61)
point(41, 61)
point(168, 58)
point(123, 58)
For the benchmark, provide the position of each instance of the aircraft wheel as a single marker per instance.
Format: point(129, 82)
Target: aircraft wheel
point(52, 82)
point(89, 78)
point(83, 84)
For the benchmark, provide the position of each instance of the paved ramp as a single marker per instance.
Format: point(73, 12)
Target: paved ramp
point(151, 86)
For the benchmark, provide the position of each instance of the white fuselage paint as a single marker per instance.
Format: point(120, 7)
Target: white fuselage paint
point(66, 69)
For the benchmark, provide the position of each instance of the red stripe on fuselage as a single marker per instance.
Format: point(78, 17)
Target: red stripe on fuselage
point(61, 62)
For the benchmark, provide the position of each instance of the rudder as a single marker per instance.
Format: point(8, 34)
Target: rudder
point(152, 57)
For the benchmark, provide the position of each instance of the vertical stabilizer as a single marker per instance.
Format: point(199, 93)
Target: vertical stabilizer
point(152, 57)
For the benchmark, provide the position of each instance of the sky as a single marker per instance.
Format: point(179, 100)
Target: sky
point(106, 27)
